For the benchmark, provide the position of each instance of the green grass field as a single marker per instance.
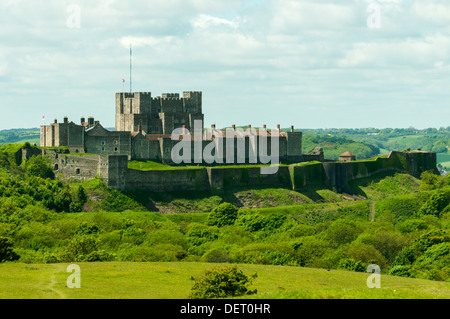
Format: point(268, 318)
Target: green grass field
point(124, 280)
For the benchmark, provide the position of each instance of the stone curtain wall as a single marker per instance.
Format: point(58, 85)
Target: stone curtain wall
point(334, 175)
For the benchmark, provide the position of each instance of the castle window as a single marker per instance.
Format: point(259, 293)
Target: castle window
point(183, 121)
point(149, 128)
point(156, 129)
point(77, 171)
point(115, 149)
point(115, 142)
point(103, 148)
point(103, 142)
point(56, 167)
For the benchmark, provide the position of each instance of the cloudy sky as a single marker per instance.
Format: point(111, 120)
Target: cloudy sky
point(308, 63)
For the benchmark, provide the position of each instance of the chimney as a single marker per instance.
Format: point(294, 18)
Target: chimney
point(278, 127)
point(213, 127)
point(264, 127)
point(249, 127)
point(233, 127)
point(90, 121)
point(184, 129)
point(82, 120)
point(292, 128)
point(66, 119)
point(55, 121)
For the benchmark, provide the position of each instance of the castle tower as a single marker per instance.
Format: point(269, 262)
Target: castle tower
point(159, 115)
point(132, 110)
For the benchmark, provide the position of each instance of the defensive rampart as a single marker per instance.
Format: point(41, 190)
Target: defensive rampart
point(334, 175)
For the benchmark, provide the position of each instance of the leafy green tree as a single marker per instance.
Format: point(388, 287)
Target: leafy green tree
point(222, 282)
point(6, 250)
point(399, 270)
point(430, 181)
point(222, 215)
point(436, 203)
point(39, 166)
point(81, 195)
point(352, 265)
point(79, 247)
point(342, 232)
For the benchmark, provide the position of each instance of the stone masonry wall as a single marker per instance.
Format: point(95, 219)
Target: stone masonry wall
point(334, 175)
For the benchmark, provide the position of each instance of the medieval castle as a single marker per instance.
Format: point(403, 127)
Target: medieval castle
point(143, 131)
point(144, 126)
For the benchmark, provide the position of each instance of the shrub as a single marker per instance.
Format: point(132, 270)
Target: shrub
point(86, 229)
point(435, 204)
point(352, 265)
point(167, 237)
point(79, 247)
point(222, 215)
point(81, 195)
point(366, 254)
point(98, 255)
point(435, 253)
point(222, 282)
point(301, 230)
point(389, 244)
point(199, 234)
point(309, 249)
point(411, 225)
point(6, 250)
point(342, 232)
point(399, 270)
point(255, 222)
point(430, 181)
point(277, 258)
point(407, 256)
point(216, 256)
point(39, 166)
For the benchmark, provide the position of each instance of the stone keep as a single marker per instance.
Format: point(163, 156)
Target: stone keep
point(160, 115)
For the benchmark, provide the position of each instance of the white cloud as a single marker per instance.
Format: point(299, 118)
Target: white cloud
point(204, 21)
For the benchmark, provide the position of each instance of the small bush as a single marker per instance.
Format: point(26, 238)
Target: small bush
point(6, 250)
point(435, 204)
point(402, 271)
point(352, 265)
point(222, 215)
point(216, 256)
point(39, 166)
point(222, 282)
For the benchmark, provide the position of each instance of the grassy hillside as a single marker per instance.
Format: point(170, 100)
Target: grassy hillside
point(174, 280)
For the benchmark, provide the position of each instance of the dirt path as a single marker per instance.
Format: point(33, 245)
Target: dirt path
point(372, 211)
point(53, 282)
